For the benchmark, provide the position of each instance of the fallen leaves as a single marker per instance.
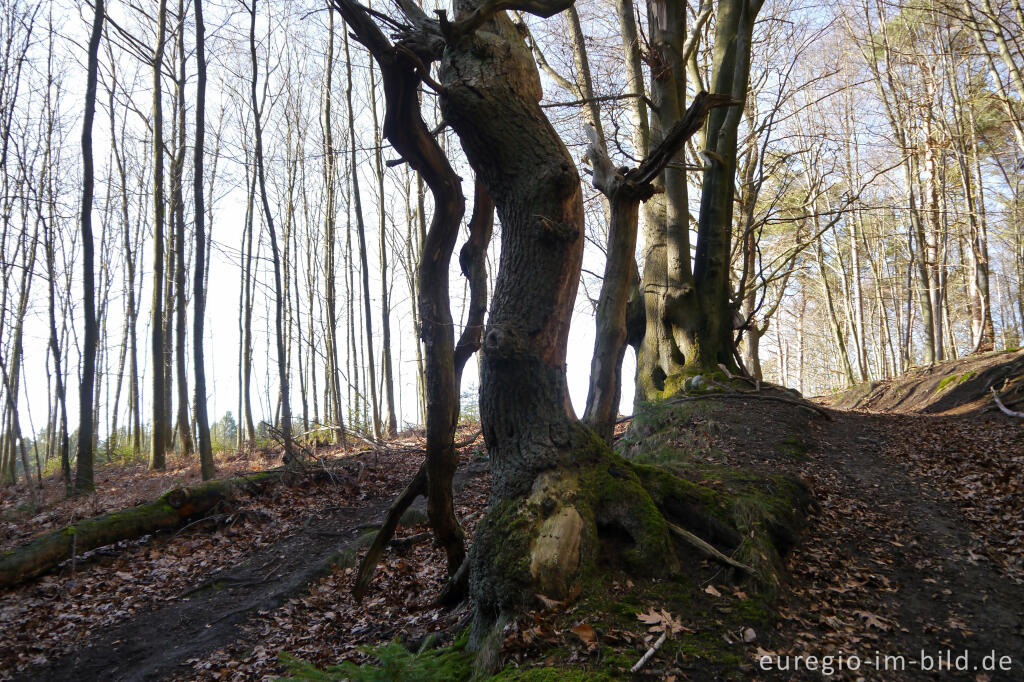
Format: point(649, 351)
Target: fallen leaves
point(660, 620)
point(111, 585)
point(586, 633)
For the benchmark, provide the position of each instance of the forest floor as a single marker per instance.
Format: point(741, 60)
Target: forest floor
point(916, 550)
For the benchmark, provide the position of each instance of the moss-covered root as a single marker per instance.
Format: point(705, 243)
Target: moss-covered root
point(754, 519)
point(170, 510)
point(546, 545)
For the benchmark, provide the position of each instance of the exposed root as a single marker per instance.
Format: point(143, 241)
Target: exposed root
point(1004, 408)
point(709, 549)
point(753, 395)
point(457, 587)
point(368, 566)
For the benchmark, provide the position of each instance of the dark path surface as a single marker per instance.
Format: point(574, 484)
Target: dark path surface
point(892, 566)
point(152, 645)
point(160, 643)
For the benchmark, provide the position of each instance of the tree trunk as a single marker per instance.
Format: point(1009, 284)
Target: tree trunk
point(625, 191)
point(178, 203)
point(168, 511)
point(535, 442)
point(199, 273)
point(391, 421)
point(84, 472)
point(365, 269)
point(330, 172)
point(158, 451)
point(709, 338)
point(282, 360)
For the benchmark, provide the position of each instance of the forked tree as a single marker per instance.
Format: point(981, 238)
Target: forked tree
point(556, 486)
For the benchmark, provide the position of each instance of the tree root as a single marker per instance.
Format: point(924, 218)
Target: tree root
point(1004, 408)
point(368, 566)
point(708, 549)
point(755, 396)
point(456, 589)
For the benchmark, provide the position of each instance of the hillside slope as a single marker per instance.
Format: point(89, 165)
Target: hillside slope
point(955, 387)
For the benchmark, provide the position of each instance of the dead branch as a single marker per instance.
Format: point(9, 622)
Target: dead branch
point(650, 652)
point(708, 549)
point(468, 441)
point(1004, 408)
point(368, 566)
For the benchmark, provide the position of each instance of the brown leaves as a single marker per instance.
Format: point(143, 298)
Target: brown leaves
point(585, 632)
point(58, 612)
point(660, 620)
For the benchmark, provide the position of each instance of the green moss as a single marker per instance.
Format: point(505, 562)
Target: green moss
point(503, 537)
point(954, 380)
point(616, 500)
point(794, 446)
point(394, 662)
point(555, 674)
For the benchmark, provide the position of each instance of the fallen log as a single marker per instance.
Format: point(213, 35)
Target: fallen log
point(171, 510)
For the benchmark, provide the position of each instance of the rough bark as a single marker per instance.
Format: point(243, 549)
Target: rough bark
point(625, 191)
point(548, 470)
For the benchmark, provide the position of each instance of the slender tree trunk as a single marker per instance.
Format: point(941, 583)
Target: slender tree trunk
point(282, 361)
point(199, 274)
point(833, 320)
point(84, 471)
point(178, 203)
point(158, 451)
point(361, 233)
point(245, 316)
point(391, 423)
point(330, 172)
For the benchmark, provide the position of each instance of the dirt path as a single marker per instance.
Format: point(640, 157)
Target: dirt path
point(893, 566)
point(163, 642)
point(916, 548)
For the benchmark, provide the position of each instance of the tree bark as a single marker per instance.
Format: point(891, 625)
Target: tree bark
point(84, 471)
point(282, 358)
point(199, 273)
point(159, 445)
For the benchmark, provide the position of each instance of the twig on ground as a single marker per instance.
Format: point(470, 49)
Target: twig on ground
point(650, 652)
point(1004, 408)
point(468, 441)
point(709, 549)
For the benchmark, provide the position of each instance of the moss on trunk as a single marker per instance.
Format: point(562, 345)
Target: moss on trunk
point(170, 510)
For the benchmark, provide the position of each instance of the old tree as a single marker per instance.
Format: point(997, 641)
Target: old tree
point(558, 489)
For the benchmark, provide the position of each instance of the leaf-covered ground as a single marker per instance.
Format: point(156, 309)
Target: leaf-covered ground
point(917, 545)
